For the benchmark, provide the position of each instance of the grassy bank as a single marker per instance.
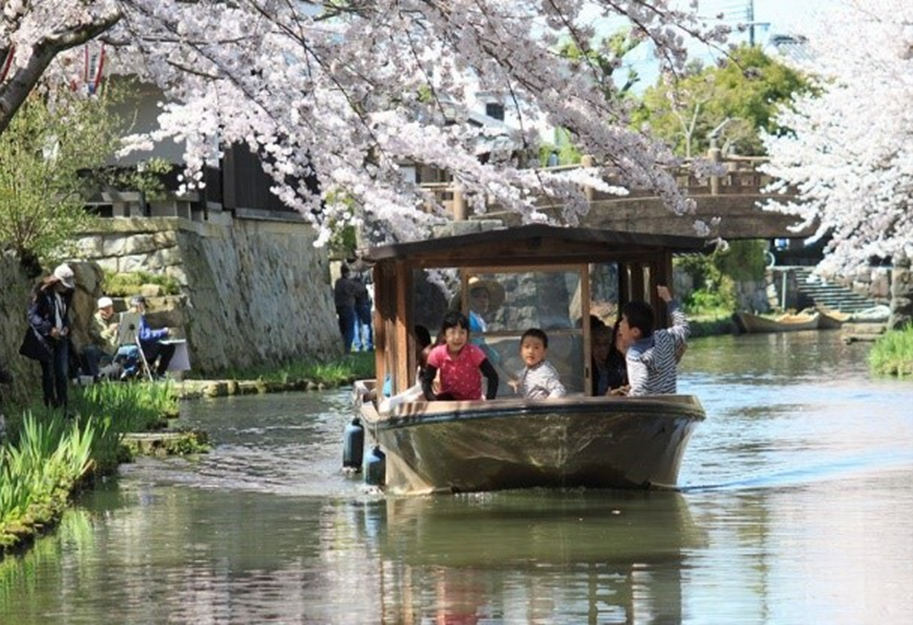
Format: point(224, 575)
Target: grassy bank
point(284, 377)
point(47, 457)
point(713, 324)
point(343, 371)
point(892, 353)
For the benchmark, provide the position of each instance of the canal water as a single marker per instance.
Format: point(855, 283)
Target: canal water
point(796, 507)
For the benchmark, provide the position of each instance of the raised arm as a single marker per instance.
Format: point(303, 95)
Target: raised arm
point(680, 329)
point(489, 372)
point(427, 378)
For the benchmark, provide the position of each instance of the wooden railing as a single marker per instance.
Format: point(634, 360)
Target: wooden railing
point(741, 177)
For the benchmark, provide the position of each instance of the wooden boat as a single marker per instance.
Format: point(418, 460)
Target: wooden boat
point(750, 323)
point(832, 319)
point(511, 442)
point(593, 442)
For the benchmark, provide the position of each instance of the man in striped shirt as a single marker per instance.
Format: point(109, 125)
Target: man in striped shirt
point(651, 356)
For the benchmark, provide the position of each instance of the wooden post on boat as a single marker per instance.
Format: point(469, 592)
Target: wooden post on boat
point(383, 312)
point(404, 362)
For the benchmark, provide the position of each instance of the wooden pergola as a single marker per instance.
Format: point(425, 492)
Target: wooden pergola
point(644, 260)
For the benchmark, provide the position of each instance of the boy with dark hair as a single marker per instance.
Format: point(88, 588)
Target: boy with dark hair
point(459, 362)
point(651, 356)
point(539, 379)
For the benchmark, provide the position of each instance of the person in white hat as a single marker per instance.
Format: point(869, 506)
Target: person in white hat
point(48, 337)
point(99, 352)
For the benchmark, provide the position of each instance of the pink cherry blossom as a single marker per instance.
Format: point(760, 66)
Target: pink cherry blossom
point(350, 91)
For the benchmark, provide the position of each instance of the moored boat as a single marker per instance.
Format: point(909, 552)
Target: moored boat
point(510, 442)
point(832, 319)
point(750, 323)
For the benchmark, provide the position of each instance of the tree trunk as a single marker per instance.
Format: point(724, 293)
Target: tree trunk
point(901, 294)
point(20, 84)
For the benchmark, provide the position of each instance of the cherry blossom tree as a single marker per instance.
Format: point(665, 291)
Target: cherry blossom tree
point(348, 90)
point(850, 157)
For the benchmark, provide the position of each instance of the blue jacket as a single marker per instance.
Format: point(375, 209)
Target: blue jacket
point(149, 336)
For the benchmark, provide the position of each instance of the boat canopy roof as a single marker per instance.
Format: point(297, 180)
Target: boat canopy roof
point(536, 244)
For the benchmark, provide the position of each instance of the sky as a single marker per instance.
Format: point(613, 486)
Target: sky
point(771, 17)
point(784, 16)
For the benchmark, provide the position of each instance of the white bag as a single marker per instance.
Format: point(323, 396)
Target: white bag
point(388, 405)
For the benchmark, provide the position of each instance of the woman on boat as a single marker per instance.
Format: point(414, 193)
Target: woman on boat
point(610, 373)
point(460, 363)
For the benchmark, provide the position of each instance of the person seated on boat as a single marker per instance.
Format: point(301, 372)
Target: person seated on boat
point(485, 297)
point(610, 373)
point(460, 363)
point(651, 356)
point(423, 347)
point(539, 379)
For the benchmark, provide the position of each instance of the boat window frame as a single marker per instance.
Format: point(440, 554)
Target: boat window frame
point(582, 269)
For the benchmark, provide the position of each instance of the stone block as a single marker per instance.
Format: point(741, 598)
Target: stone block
point(89, 248)
point(132, 264)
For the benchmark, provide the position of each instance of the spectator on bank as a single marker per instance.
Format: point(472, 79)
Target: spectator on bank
point(157, 353)
point(344, 292)
point(103, 336)
point(48, 338)
point(364, 304)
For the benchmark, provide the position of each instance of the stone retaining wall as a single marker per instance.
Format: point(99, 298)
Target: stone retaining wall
point(253, 292)
point(14, 295)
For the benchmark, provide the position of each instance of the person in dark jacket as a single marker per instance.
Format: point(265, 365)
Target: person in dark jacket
point(344, 292)
point(49, 319)
point(364, 332)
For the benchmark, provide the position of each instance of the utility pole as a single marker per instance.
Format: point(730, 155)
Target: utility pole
point(750, 20)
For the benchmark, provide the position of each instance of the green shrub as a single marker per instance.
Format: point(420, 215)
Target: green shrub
point(892, 353)
point(47, 454)
point(714, 276)
point(126, 284)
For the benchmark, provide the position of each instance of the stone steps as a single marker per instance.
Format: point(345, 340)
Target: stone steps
point(830, 295)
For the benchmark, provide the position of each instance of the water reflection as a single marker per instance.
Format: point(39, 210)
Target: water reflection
point(533, 557)
point(796, 508)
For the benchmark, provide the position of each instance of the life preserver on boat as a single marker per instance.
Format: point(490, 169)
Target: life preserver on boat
point(376, 467)
point(353, 445)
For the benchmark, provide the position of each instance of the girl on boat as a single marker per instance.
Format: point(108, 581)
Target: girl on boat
point(461, 364)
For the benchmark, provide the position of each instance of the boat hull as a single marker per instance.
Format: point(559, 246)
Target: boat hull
point(831, 319)
point(509, 444)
